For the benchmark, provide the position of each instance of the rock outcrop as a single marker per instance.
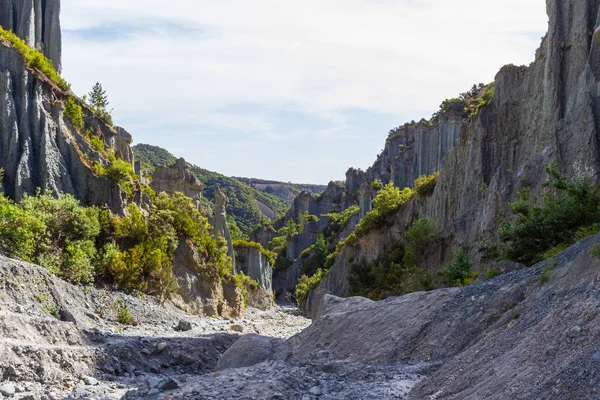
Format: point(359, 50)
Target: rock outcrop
point(220, 221)
point(203, 295)
point(39, 147)
point(177, 178)
point(547, 112)
point(38, 23)
point(250, 261)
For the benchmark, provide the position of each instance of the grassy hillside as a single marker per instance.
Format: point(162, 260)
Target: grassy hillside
point(245, 203)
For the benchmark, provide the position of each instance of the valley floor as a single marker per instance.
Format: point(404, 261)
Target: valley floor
point(59, 341)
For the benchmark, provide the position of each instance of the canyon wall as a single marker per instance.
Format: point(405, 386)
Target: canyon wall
point(38, 23)
point(544, 113)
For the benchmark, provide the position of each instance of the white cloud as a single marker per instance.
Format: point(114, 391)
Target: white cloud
point(180, 62)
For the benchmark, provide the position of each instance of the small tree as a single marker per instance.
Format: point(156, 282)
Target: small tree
point(99, 102)
point(98, 98)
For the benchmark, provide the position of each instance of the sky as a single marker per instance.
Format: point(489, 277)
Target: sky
point(294, 91)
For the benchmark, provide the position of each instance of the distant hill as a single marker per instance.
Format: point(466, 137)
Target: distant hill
point(284, 190)
point(247, 205)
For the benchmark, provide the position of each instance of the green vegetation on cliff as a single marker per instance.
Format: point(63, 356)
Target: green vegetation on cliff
point(545, 226)
point(34, 58)
point(86, 244)
point(245, 202)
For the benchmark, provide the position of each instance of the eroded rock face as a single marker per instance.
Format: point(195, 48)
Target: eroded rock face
point(254, 264)
point(177, 178)
point(38, 23)
point(199, 295)
point(547, 112)
point(220, 221)
point(39, 148)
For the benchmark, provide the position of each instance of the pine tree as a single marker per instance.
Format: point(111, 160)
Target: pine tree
point(99, 101)
point(98, 98)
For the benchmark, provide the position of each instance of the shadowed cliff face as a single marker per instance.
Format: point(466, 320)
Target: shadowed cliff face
point(547, 112)
point(410, 151)
point(39, 147)
point(37, 22)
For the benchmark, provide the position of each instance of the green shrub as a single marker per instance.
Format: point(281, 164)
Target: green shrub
point(376, 184)
point(124, 315)
point(97, 143)
point(548, 225)
point(459, 270)
point(492, 273)
point(119, 171)
point(34, 58)
point(74, 113)
point(246, 285)
point(388, 200)
point(546, 274)
point(271, 256)
point(67, 244)
point(318, 259)
point(425, 185)
point(338, 221)
point(81, 244)
point(420, 234)
point(307, 284)
point(19, 231)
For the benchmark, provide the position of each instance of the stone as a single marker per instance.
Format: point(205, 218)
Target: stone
point(8, 390)
point(145, 352)
point(184, 326)
point(152, 382)
point(248, 350)
point(596, 357)
point(90, 381)
point(162, 346)
point(153, 392)
point(168, 384)
point(236, 328)
point(576, 330)
point(315, 391)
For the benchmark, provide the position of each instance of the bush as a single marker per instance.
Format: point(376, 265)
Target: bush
point(124, 315)
point(119, 171)
point(338, 221)
point(307, 284)
point(492, 273)
point(246, 285)
point(81, 244)
point(388, 200)
point(459, 270)
point(422, 232)
point(271, 256)
point(34, 58)
point(97, 144)
point(376, 184)
point(318, 259)
point(74, 113)
point(545, 226)
point(425, 185)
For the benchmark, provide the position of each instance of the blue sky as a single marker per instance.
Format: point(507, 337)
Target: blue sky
point(288, 90)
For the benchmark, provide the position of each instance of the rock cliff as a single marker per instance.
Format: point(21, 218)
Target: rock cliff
point(220, 221)
point(177, 178)
point(254, 264)
point(546, 112)
point(200, 296)
point(37, 22)
point(39, 146)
